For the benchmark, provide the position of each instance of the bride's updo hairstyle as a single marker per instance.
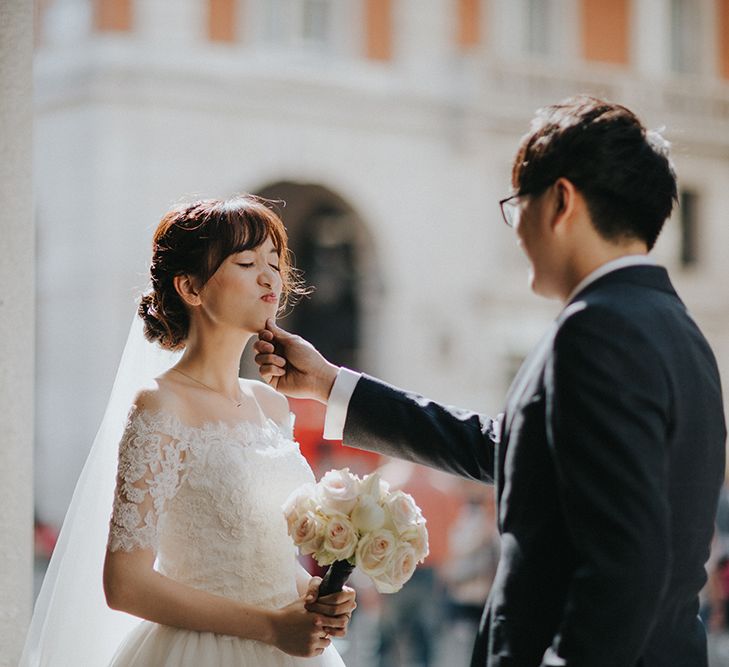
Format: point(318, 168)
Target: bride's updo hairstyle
point(195, 239)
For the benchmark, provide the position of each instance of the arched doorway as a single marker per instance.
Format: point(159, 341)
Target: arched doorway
point(335, 251)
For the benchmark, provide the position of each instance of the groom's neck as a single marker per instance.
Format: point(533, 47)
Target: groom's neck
point(584, 261)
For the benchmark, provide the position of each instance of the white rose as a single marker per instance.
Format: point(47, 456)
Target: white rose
point(373, 485)
point(338, 491)
point(340, 540)
point(403, 510)
point(368, 515)
point(300, 500)
point(398, 570)
point(417, 536)
point(307, 531)
point(374, 550)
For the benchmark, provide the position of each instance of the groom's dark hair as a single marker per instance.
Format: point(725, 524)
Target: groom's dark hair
point(623, 170)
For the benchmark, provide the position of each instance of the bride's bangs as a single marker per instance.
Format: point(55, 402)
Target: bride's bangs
point(249, 221)
point(250, 224)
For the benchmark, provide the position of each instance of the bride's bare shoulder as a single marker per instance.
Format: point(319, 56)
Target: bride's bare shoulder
point(158, 395)
point(272, 403)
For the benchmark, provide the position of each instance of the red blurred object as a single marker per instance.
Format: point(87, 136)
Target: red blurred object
point(308, 430)
point(45, 538)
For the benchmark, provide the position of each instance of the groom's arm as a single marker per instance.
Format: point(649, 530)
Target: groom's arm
point(607, 421)
point(376, 416)
point(373, 415)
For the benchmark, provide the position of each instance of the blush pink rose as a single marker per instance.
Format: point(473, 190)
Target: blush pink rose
point(398, 570)
point(338, 491)
point(374, 551)
point(417, 536)
point(403, 511)
point(340, 540)
point(307, 531)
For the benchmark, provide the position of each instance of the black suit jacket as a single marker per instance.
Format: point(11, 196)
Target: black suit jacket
point(607, 464)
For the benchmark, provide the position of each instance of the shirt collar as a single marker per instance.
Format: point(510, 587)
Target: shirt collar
point(609, 267)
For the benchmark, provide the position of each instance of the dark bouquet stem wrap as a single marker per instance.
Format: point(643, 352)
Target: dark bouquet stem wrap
point(335, 577)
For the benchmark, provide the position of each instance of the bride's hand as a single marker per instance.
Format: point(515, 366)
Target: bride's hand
point(293, 365)
point(299, 632)
point(336, 607)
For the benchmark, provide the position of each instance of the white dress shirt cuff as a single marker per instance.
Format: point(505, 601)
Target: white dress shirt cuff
point(551, 659)
point(338, 403)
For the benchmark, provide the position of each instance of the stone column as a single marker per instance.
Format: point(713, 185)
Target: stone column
point(17, 309)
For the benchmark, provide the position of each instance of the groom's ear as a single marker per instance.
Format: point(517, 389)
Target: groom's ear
point(564, 202)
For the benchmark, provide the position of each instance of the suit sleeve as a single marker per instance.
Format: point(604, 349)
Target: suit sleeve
point(607, 398)
point(401, 424)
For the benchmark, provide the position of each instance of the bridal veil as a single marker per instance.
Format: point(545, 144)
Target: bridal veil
point(71, 624)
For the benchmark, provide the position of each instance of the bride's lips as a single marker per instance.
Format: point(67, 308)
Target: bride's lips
point(270, 298)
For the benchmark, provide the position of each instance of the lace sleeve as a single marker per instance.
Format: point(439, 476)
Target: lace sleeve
point(148, 474)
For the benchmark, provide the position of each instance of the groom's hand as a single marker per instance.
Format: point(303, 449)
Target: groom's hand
point(336, 608)
point(293, 365)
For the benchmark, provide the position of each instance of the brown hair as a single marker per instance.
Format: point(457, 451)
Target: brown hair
point(195, 239)
point(622, 169)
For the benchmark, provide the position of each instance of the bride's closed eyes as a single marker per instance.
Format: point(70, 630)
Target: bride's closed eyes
point(248, 265)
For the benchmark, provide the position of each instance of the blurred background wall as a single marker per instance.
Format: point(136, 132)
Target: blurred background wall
point(387, 127)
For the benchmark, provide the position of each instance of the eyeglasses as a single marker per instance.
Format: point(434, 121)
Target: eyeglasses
point(510, 208)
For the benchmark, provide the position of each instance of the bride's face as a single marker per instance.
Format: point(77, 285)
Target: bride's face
point(245, 290)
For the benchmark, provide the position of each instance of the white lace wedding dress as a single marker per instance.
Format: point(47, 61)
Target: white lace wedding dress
point(208, 500)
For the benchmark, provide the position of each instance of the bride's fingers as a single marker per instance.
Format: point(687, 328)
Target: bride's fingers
point(336, 632)
point(340, 597)
point(335, 604)
point(335, 622)
point(332, 611)
point(322, 641)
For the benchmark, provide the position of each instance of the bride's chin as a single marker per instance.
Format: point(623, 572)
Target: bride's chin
point(253, 326)
point(255, 322)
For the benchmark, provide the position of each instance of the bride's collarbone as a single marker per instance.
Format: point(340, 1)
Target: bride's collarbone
point(198, 407)
point(215, 412)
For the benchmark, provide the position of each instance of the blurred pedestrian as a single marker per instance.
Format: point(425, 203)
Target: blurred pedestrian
point(410, 621)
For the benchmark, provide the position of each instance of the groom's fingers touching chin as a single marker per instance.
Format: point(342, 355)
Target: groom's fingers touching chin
point(265, 335)
point(270, 360)
point(262, 346)
point(269, 372)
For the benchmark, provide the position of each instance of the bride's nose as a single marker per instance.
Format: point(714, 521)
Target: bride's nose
point(265, 278)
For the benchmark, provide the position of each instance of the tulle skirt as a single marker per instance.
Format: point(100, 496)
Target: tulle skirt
point(154, 645)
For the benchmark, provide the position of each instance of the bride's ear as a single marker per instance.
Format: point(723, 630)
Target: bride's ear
point(187, 289)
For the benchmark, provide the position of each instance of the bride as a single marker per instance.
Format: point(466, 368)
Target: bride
point(197, 543)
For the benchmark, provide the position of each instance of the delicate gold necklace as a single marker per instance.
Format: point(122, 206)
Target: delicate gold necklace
point(207, 386)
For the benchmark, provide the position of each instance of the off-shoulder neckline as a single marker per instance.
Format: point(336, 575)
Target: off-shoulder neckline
point(216, 426)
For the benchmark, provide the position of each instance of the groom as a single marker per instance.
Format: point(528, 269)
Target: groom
point(610, 454)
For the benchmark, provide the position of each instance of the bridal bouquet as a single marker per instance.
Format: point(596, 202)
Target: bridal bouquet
point(345, 521)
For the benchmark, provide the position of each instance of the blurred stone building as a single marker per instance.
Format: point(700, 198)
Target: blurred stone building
point(388, 128)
